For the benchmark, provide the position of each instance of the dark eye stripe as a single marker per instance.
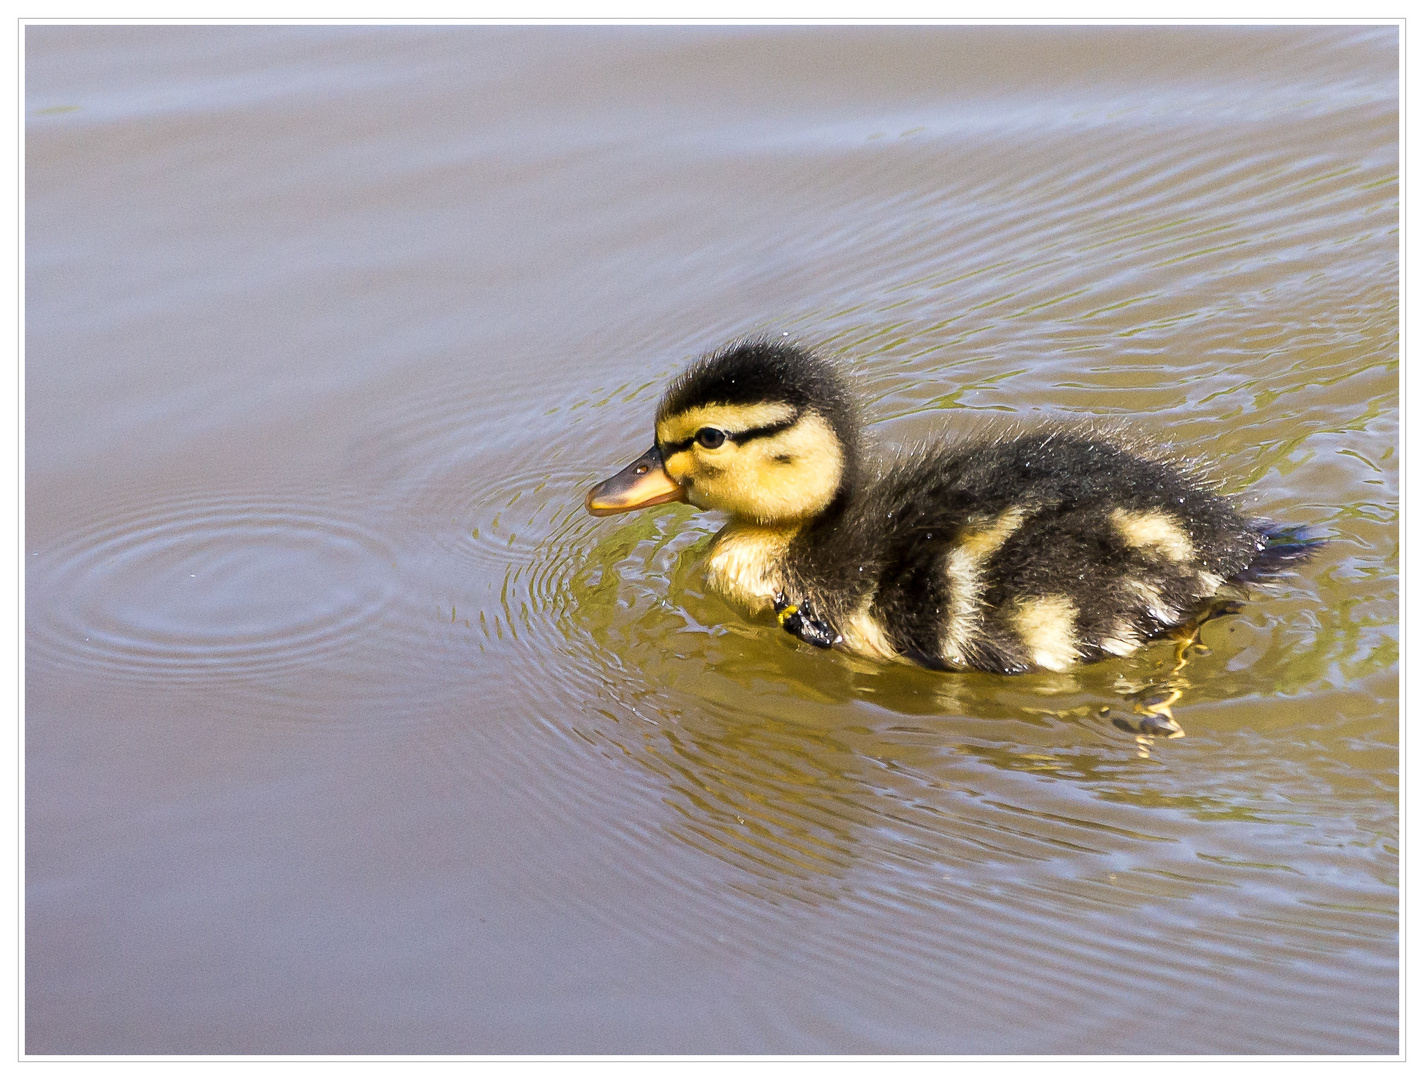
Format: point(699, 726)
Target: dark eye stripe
point(738, 437)
point(671, 448)
point(764, 432)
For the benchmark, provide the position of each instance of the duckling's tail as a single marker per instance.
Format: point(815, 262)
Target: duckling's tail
point(1287, 547)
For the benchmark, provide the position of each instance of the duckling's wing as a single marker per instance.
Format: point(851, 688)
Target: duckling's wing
point(1047, 549)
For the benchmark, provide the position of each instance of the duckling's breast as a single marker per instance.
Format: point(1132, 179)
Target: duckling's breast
point(747, 564)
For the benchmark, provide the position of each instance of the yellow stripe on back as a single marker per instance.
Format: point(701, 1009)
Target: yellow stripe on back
point(1153, 530)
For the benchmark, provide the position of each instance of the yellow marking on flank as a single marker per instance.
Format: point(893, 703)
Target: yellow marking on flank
point(1125, 640)
point(1046, 625)
point(1209, 582)
point(1155, 530)
point(1153, 603)
point(962, 569)
point(962, 565)
point(862, 634)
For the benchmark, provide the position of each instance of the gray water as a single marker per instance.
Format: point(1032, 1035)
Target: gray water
point(347, 730)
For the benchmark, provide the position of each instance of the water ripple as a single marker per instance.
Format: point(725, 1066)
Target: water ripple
point(207, 589)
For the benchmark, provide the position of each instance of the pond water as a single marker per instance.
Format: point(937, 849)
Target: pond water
point(347, 730)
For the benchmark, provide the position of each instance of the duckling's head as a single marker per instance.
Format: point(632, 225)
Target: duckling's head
point(765, 431)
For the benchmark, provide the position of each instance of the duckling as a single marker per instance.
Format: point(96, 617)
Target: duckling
point(1037, 549)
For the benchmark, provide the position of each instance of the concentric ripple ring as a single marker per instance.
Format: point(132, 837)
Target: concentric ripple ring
point(199, 588)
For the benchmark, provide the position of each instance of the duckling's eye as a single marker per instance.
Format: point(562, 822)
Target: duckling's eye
point(711, 438)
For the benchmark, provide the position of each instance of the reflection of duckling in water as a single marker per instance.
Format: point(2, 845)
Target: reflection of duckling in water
point(1036, 550)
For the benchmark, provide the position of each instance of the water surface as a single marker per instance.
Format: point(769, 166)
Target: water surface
point(348, 731)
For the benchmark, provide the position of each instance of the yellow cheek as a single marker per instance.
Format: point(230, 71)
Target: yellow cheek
point(679, 466)
point(787, 477)
point(698, 477)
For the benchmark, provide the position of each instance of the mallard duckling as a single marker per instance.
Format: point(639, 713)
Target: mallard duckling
point(1036, 550)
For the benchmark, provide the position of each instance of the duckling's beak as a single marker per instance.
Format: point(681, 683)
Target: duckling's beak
point(643, 483)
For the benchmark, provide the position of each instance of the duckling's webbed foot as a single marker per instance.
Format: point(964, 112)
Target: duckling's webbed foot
point(1152, 704)
point(800, 620)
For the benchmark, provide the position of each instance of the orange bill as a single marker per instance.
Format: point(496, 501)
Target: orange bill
point(643, 483)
